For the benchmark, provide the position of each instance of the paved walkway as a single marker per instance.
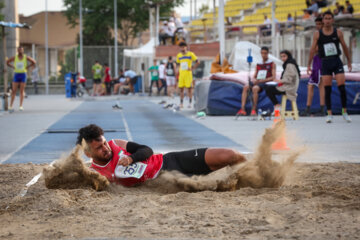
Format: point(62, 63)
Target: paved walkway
point(48, 127)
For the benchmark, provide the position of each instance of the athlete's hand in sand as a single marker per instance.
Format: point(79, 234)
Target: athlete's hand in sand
point(125, 161)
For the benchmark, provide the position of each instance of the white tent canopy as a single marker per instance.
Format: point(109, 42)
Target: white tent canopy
point(238, 57)
point(146, 50)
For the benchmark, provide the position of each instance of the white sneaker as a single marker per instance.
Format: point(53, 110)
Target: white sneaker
point(21, 108)
point(11, 109)
point(329, 118)
point(346, 117)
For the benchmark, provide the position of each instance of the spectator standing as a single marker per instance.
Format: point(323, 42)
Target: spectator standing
point(170, 76)
point(162, 78)
point(185, 60)
point(154, 71)
point(315, 79)
point(289, 82)
point(349, 7)
point(107, 79)
point(328, 40)
point(20, 68)
point(35, 79)
point(265, 71)
point(96, 71)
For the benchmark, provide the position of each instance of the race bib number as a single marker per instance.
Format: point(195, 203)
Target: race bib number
point(330, 49)
point(170, 72)
point(97, 71)
point(261, 75)
point(20, 65)
point(155, 74)
point(135, 170)
point(184, 66)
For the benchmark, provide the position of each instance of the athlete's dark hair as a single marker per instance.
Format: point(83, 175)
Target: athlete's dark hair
point(318, 19)
point(170, 57)
point(265, 48)
point(105, 64)
point(89, 133)
point(328, 13)
point(182, 44)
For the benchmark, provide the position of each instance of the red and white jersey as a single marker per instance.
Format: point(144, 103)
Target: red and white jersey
point(264, 69)
point(130, 175)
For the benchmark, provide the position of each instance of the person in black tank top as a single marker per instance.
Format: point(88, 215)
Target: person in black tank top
point(170, 70)
point(327, 39)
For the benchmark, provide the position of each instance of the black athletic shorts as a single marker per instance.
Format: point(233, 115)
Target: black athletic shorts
point(133, 80)
point(97, 81)
point(191, 162)
point(331, 65)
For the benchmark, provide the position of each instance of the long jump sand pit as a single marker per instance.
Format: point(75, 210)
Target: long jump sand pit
point(317, 201)
point(285, 201)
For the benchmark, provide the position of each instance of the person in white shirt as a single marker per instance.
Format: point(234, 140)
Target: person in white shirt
point(162, 77)
point(165, 33)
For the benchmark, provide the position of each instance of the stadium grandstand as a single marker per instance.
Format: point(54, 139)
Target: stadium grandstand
point(248, 14)
point(251, 21)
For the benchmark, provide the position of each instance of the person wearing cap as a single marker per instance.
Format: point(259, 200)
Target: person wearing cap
point(165, 33)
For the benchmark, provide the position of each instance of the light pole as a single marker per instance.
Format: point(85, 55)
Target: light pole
point(221, 25)
point(46, 50)
point(81, 66)
point(116, 39)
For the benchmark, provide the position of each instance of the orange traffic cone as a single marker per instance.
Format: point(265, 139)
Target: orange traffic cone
point(280, 143)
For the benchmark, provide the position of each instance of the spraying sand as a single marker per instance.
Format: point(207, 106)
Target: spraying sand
point(262, 171)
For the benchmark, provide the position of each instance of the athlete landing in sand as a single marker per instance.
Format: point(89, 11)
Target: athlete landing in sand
point(129, 163)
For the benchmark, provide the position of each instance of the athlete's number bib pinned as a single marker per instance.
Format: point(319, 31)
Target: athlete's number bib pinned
point(169, 72)
point(97, 71)
point(135, 170)
point(330, 49)
point(155, 74)
point(20, 65)
point(184, 66)
point(261, 75)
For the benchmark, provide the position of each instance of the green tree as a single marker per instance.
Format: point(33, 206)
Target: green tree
point(68, 65)
point(204, 9)
point(98, 18)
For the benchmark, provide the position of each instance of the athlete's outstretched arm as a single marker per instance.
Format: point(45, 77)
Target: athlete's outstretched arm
point(345, 48)
point(312, 50)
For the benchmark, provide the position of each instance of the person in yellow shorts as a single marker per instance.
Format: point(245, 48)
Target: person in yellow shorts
point(185, 59)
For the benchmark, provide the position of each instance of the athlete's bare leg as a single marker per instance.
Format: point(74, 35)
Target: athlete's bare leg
point(310, 94)
point(181, 96)
point(22, 93)
point(327, 79)
point(322, 92)
point(244, 96)
point(255, 90)
point(340, 80)
point(217, 158)
point(13, 93)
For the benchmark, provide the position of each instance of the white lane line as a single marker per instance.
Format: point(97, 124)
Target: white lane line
point(127, 129)
point(8, 156)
